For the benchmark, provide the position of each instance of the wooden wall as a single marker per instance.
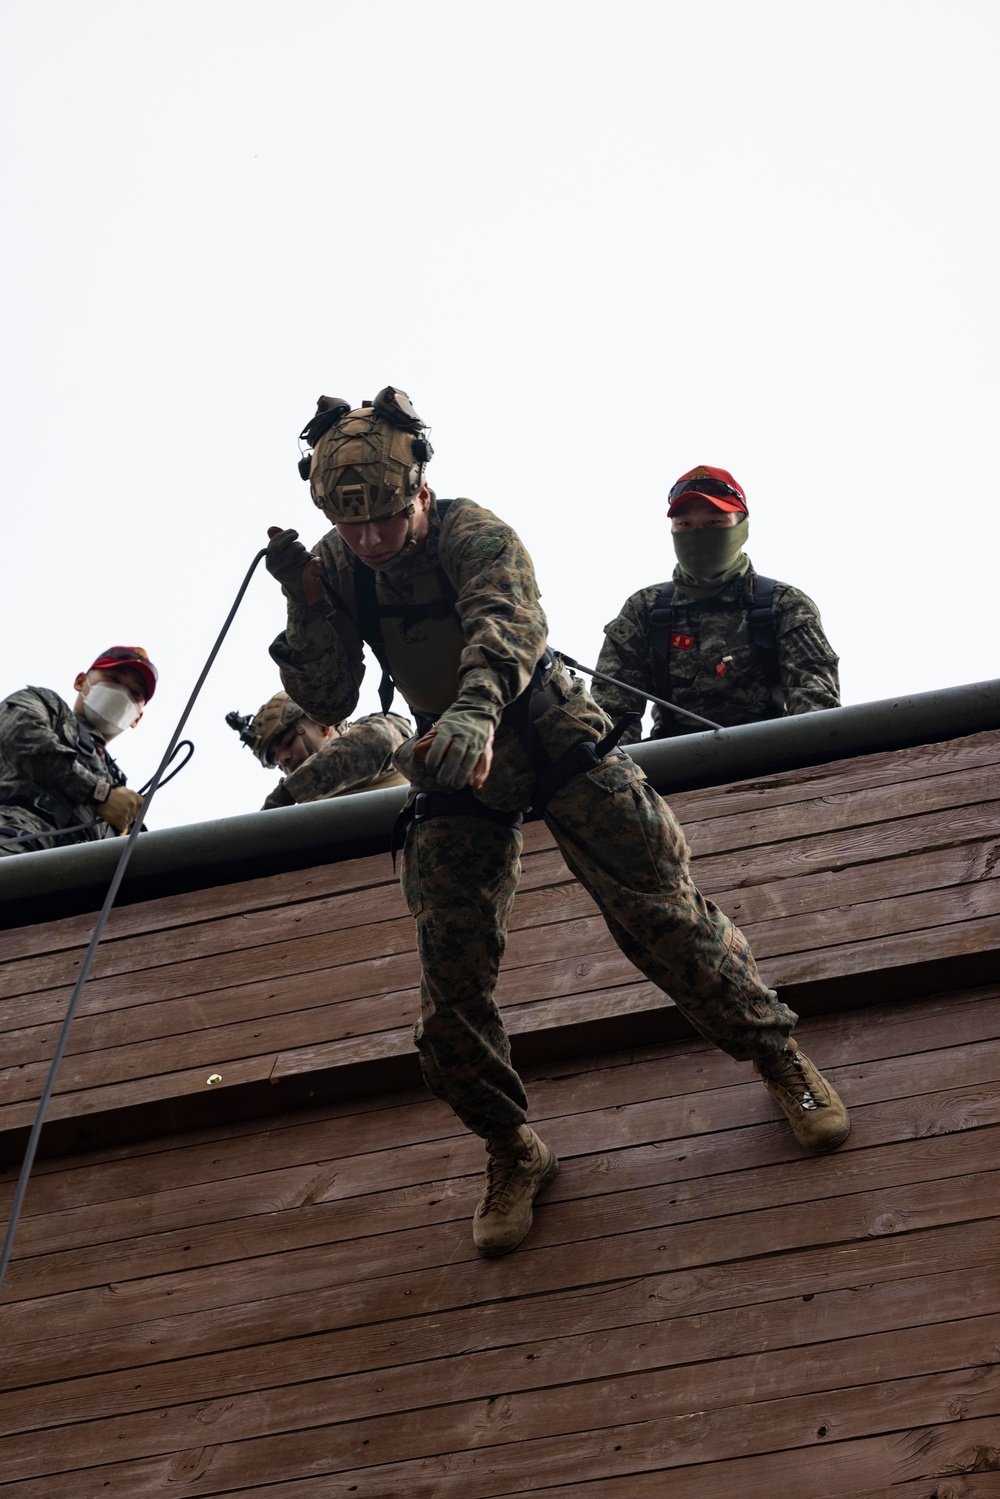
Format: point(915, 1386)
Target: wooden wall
point(266, 1286)
point(294, 1310)
point(860, 880)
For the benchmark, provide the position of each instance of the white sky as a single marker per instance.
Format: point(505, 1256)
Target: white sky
point(596, 244)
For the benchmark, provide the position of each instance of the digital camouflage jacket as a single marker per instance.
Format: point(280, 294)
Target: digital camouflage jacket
point(713, 667)
point(50, 763)
point(360, 759)
point(491, 655)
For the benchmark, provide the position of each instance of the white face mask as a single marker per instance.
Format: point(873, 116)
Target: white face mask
point(109, 709)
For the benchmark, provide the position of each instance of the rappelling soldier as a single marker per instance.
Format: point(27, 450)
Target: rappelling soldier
point(58, 783)
point(444, 596)
point(322, 760)
point(718, 638)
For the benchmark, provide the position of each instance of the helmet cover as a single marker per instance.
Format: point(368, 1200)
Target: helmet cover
point(368, 464)
point(270, 722)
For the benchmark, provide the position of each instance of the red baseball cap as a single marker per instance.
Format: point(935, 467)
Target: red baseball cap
point(130, 655)
point(712, 484)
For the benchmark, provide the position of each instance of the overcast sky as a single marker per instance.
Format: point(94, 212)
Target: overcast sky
point(597, 244)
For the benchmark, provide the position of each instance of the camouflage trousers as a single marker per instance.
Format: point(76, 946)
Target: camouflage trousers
point(627, 849)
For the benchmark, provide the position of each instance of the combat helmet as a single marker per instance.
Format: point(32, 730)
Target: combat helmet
point(365, 464)
point(261, 732)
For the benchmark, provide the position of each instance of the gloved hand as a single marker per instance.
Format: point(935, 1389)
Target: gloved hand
point(279, 797)
point(120, 808)
point(297, 570)
point(460, 748)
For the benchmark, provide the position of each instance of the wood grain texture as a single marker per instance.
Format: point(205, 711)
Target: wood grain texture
point(697, 1303)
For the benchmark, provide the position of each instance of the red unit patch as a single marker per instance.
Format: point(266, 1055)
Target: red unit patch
point(682, 642)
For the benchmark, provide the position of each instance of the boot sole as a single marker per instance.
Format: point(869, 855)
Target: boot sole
point(548, 1175)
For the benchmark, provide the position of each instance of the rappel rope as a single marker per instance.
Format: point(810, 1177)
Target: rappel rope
point(647, 697)
point(109, 900)
point(29, 835)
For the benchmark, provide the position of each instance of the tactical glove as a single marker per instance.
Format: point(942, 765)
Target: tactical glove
point(460, 751)
point(295, 569)
point(279, 797)
point(120, 808)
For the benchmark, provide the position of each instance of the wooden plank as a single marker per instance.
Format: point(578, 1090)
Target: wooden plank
point(885, 768)
point(371, 908)
point(918, 913)
point(132, 1299)
point(189, 1013)
point(429, 1184)
point(343, 912)
point(881, 954)
point(296, 1208)
point(845, 810)
point(256, 927)
point(845, 889)
point(848, 1395)
point(893, 1212)
point(849, 884)
point(197, 905)
point(682, 1317)
point(235, 1073)
point(839, 776)
point(892, 1463)
point(842, 849)
point(836, 1041)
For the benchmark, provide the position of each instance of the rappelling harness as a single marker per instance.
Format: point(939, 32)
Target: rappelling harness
point(521, 715)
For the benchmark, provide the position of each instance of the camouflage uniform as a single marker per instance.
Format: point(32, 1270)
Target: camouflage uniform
point(460, 873)
point(48, 754)
point(712, 633)
point(358, 759)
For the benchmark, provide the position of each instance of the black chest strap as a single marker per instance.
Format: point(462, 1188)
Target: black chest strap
point(371, 614)
point(759, 607)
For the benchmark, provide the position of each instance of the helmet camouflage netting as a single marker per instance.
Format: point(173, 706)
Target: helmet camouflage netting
point(367, 464)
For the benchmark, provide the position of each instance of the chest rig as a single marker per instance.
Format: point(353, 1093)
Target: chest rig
point(418, 644)
point(759, 608)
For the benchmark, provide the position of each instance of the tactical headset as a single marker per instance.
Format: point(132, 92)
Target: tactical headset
point(390, 405)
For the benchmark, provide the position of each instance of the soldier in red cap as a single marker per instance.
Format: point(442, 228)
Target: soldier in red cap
point(719, 638)
point(57, 781)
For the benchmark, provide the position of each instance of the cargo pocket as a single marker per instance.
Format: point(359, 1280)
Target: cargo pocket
point(622, 829)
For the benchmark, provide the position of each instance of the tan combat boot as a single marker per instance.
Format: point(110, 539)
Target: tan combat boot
point(518, 1166)
point(818, 1118)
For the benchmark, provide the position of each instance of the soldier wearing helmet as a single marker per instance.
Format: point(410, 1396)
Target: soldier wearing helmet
point(719, 639)
point(321, 760)
point(443, 594)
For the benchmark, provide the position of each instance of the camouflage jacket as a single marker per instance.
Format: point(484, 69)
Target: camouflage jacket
point(360, 759)
point(502, 635)
point(503, 629)
point(50, 764)
point(713, 667)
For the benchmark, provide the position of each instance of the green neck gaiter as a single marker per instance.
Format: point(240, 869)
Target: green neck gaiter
point(711, 557)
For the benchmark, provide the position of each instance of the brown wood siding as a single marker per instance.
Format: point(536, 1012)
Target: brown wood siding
point(292, 1308)
point(866, 879)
